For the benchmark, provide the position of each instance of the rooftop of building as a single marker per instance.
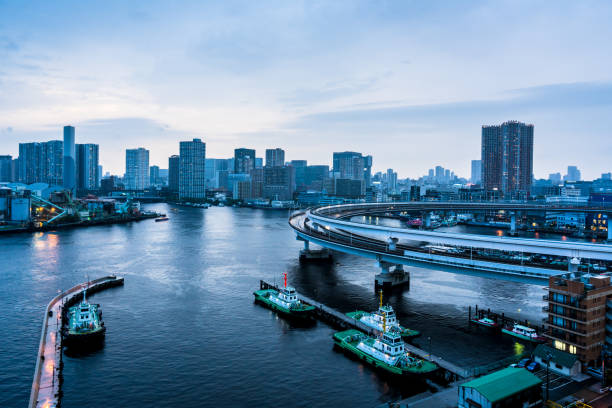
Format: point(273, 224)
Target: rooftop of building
point(556, 356)
point(589, 280)
point(503, 383)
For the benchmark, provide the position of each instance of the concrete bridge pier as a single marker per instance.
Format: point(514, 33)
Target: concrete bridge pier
point(392, 242)
point(313, 255)
point(388, 279)
point(513, 231)
point(427, 220)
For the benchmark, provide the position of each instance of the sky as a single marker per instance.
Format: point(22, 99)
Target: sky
point(409, 82)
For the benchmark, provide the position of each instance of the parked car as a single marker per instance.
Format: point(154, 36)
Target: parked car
point(524, 363)
point(533, 366)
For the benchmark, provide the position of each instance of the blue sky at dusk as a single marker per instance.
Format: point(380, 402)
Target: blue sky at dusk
point(410, 82)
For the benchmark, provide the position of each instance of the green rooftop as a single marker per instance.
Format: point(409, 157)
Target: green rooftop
point(557, 356)
point(503, 383)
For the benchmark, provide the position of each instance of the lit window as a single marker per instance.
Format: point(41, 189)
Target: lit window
point(559, 345)
point(572, 349)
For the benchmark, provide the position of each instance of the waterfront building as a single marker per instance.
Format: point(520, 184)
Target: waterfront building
point(41, 162)
point(577, 306)
point(192, 170)
point(476, 172)
point(606, 176)
point(173, 173)
point(315, 176)
point(348, 188)
point(257, 183)
point(244, 160)
point(241, 189)
point(299, 167)
point(510, 387)
point(278, 183)
point(154, 179)
point(573, 174)
point(507, 158)
point(561, 362)
point(136, 169)
point(87, 167)
point(275, 157)
point(350, 166)
point(69, 165)
point(6, 171)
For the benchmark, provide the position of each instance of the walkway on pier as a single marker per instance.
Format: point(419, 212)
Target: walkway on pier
point(337, 318)
point(46, 384)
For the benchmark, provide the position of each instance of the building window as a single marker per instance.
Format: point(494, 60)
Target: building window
point(559, 345)
point(572, 349)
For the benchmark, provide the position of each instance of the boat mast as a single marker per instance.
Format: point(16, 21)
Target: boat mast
point(285, 279)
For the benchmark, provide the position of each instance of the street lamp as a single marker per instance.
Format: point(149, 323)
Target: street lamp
point(548, 357)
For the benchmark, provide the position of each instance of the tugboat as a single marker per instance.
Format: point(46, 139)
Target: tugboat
point(284, 301)
point(85, 325)
point(377, 319)
point(385, 352)
point(485, 321)
point(163, 218)
point(524, 333)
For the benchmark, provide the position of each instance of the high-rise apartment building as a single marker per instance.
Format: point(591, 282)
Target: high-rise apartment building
point(476, 172)
point(87, 166)
point(507, 158)
point(299, 167)
point(573, 174)
point(154, 178)
point(192, 170)
point(6, 173)
point(69, 165)
point(349, 165)
point(173, 173)
point(316, 176)
point(278, 183)
point(41, 162)
point(136, 169)
point(244, 160)
point(275, 157)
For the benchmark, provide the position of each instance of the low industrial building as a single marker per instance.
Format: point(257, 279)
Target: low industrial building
point(510, 387)
point(562, 363)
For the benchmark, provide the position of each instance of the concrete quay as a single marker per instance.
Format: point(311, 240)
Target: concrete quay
point(46, 391)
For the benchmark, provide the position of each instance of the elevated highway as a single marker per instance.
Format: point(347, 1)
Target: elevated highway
point(515, 259)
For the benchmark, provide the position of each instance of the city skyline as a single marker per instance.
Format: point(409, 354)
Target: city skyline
point(231, 81)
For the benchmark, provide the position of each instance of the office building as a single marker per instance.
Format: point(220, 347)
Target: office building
point(577, 308)
point(555, 178)
point(244, 160)
point(41, 162)
point(87, 167)
point(192, 170)
point(507, 158)
point(476, 172)
point(573, 174)
point(278, 183)
point(299, 167)
point(606, 176)
point(257, 183)
point(367, 171)
point(348, 188)
point(275, 157)
point(173, 173)
point(349, 165)
point(154, 178)
point(136, 169)
point(315, 177)
point(391, 180)
point(69, 165)
point(6, 169)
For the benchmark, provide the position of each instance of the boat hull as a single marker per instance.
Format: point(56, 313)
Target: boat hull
point(526, 338)
point(83, 340)
point(483, 324)
point(300, 314)
point(350, 348)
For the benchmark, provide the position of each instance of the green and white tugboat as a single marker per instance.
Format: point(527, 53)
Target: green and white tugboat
point(386, 352)
point(85, 325)
point(285, 302)
point(376, 319)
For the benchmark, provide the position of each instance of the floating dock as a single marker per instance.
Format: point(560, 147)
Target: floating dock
point(338, 319)
point(47, 374)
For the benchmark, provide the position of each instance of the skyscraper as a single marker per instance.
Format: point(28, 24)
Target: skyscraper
point(244, 160)
point(154, 175)
point(275, 157)
point(299, 167)
point(573, 174)
point(349, 165)
point(173, 173)
point(278, 182)
point(41, 162)
point(6, 174)
point(507, 158)
point(87, 166)
point(476, 172)
point(69, 168)
point(136, 169)
point(192, 170)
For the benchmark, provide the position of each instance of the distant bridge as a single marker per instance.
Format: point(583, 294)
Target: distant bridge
point(329, 228)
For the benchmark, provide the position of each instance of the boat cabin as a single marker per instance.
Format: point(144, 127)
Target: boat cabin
point(288, 294)
point(390, 343)
point(524, 330)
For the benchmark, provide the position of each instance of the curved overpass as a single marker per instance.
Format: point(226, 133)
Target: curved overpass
point(471, 254)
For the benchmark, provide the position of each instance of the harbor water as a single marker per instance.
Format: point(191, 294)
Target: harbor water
point(184, 330)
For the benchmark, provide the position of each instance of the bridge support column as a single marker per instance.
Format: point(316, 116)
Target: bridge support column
point(573, 264)
point(427, 220)
point(313, 255)
point(513, 225)
point(388, 279)
point(392, 242)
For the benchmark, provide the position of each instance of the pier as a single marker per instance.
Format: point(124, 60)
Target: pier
point(338, 319)
point(47, 374)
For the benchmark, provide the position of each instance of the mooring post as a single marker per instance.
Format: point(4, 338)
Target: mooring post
point(469, 315)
